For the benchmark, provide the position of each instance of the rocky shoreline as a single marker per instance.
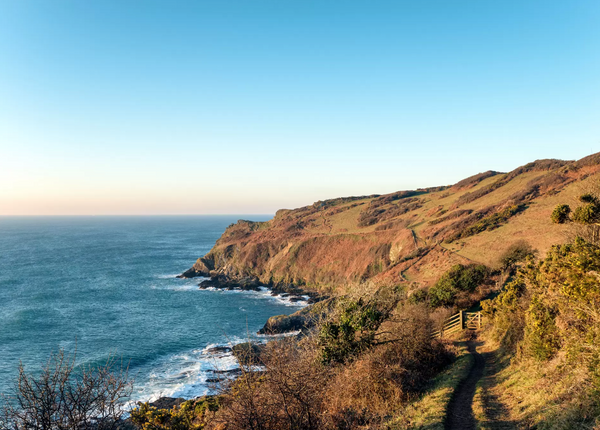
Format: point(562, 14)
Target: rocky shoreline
point(299, 321)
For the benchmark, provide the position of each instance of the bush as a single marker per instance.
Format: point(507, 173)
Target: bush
point(62, 396)
point(190, 415)
point(507, 315)
point(297, 390)
point(587, 214)
point(554, 304)
point(516, 253)
point(288, 395)
point(351, 332)
point(541, 334)
point(459, 279)
point(560, 214)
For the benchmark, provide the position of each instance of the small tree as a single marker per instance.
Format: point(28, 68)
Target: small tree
point(560, 214)
point(63, 396)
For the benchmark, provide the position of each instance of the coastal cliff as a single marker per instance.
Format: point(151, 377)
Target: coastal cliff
point(406, 237)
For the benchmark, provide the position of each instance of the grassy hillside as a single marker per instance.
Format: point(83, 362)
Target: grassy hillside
point(407, 237)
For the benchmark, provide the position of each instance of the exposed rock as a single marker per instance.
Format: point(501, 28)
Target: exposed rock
point(225, 283)
point(218, 349)
point(303, 319)
point(248, 353)
point(228, 372)
point(167, 402)
point(284, 323)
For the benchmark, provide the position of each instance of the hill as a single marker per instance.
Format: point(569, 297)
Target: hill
point(407, 237)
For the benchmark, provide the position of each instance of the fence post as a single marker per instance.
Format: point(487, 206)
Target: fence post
point(479, 320)
point(462, 320)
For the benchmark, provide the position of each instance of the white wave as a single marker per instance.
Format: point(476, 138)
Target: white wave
point(266, 293)
point(191, 374)
point(186, 287)
point(168, 276)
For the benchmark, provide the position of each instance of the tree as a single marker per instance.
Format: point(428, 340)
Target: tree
point(64, 397)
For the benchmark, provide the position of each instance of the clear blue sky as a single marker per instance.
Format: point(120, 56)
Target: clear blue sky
point(246, 106)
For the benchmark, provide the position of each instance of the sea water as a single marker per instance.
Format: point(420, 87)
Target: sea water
point(105, 286)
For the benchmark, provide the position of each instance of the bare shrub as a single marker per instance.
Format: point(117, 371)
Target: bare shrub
point(63, 396)
point(286, 394)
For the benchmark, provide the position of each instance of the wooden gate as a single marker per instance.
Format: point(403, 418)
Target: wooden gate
point(459, 321)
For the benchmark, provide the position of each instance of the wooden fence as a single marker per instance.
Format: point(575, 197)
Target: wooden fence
point(457, 322)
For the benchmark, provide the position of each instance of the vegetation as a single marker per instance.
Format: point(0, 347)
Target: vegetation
point(352, 332)
point(459, 281)
point(552, 310)
point(63, 396)
point(516, 253)
point(560, 214)
point(489, 222)
point(190, 415)
point(324, 381)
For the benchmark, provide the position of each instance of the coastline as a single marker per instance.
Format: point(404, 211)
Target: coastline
point(223, 355)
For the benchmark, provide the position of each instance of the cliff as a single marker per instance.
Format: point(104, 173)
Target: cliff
point(407, 237)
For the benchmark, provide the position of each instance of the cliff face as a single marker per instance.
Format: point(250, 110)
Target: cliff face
point(407, 237)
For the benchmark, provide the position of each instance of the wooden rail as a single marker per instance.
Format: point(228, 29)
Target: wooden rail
point(458, 322)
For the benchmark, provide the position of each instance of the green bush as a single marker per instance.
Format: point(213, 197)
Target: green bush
point(190, 415)
point(587, 214)
point(516, 253)
point(419, 296)
point(459, 278)
point(352, 332)
point(560, 214)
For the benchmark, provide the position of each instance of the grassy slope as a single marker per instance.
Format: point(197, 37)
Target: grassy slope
point(551, 395)
point(324, 246)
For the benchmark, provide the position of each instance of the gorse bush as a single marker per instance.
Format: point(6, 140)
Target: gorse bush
point(587, 214)
point(560, 214)
point(190, 415)
point(553, 305)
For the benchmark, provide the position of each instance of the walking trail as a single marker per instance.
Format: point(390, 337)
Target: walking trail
point(460, 410)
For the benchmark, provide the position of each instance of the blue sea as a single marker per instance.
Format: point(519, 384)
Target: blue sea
point(106, 285)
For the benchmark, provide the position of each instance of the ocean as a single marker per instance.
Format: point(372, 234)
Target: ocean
point(106, 286)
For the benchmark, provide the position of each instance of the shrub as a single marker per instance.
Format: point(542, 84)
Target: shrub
point(459, 279)
point(63, 396)
point(516, 253)
point(587, 214)
point(541, 334)
point(351, 332)
point(288, 395)
point(554, 304)
point(190, 415)
point(384, 378)
point(419, 296)
point(560, 214)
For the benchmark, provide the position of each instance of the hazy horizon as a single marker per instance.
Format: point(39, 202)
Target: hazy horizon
point(210, 107)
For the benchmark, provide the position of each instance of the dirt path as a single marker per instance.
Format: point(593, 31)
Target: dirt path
point(497, 416)
point(460, 410)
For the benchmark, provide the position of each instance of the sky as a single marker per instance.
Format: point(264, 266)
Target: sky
point(247, 106)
